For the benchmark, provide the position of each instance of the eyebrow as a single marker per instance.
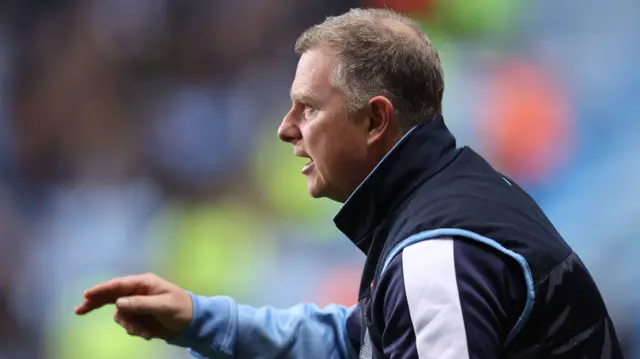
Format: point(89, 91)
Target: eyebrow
point(303, 97)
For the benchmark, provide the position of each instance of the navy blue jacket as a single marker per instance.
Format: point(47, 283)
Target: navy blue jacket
point(461, 263)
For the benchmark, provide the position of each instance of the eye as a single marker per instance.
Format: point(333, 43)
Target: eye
point(308, 109)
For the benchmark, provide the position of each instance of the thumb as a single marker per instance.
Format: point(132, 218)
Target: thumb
point(141, 304)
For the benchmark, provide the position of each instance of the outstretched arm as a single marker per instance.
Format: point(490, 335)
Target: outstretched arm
point(217, 327)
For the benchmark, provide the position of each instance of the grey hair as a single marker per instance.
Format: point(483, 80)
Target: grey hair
point(381, 52)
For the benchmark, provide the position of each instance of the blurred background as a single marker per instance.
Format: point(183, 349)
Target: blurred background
point(140, 135)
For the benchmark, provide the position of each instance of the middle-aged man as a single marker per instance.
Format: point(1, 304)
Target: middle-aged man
point(461, 262)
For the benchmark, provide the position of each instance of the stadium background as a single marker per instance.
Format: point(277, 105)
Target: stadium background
point(140, 135)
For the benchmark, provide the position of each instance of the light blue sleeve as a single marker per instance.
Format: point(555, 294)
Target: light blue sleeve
point(223, 329)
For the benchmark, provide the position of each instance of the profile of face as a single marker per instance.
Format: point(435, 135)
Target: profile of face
point(342, 147)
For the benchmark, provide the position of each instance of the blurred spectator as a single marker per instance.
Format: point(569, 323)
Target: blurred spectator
point(525, 122)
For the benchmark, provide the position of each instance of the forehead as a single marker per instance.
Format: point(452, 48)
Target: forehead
point(313, 75)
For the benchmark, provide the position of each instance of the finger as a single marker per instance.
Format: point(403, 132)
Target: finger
point(118, 287)
point(87, 307)
point(133, 325)
point(156, 305)
point(109, 292)
point(97, 302)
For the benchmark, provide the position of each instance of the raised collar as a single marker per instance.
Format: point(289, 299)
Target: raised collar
point(417, 156)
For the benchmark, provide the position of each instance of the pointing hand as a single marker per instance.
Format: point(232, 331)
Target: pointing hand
point(147, 305)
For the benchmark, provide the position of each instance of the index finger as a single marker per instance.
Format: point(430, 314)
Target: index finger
point(109, 292)
point(117, 287)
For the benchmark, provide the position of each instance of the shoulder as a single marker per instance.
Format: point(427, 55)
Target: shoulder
point(448, 258)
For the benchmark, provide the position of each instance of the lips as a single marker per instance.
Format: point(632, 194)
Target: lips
point(308, 167)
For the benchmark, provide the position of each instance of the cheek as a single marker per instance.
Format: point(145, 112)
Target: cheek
point(335, 144)
point(339, 152)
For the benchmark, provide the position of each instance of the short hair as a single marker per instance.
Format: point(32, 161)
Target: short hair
point(381, 52)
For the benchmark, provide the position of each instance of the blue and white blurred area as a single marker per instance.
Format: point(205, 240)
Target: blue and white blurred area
point(141, 136)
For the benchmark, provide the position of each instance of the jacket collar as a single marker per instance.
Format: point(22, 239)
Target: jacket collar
point(420, 154)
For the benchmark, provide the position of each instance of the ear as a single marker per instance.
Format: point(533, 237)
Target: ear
point(379, 118)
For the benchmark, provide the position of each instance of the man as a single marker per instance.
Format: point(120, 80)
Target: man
point(461, 263)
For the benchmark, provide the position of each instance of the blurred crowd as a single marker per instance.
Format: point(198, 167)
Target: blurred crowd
point(140, 135)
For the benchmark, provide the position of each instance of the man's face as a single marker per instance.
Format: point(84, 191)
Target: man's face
point(320, 128)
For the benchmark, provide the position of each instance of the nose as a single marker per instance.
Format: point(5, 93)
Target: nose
point(289, 131)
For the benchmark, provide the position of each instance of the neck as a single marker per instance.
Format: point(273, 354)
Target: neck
point(413, 159)
point(391, 142)
point(377, 154)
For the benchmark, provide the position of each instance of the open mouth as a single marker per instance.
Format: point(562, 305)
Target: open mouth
point(308, 167)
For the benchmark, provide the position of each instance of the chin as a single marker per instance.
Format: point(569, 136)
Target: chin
point(316, 192)
point(325, 192)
